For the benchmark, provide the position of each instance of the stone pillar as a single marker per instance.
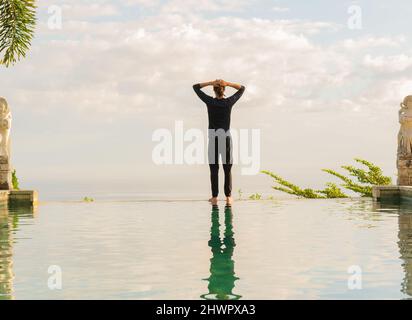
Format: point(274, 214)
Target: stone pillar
point(5, 174)
point(5, 125)
point(404, 171)
point(404, 156)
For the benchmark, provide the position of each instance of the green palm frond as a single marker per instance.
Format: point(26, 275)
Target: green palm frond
point(17, 23)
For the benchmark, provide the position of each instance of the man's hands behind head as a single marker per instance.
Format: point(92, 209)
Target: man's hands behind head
point(219, 83)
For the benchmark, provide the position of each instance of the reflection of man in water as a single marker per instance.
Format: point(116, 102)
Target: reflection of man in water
point(222, 267)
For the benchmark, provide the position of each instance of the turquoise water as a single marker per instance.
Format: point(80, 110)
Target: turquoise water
point(286, 249)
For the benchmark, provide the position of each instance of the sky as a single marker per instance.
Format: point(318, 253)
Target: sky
point(323, 85)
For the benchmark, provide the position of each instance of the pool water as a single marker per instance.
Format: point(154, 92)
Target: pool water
point(285, 249)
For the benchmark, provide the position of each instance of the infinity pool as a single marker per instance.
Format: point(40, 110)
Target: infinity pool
point(286, 249)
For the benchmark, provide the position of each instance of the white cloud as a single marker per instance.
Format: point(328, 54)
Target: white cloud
point(280, 9)
point(372, 42)
point(149, 64)
point(135, 66)
point(143, 3)
point(89, 10)
point(193, 6)
point(393, 63)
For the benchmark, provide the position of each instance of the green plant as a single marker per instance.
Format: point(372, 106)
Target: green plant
point(332, 191)
point(363, 186)
point(14, 180)
point(87, 199)
point(288, 187)
point(255, 196)
point(365, 179)
point(240, 192)
point(17, 23)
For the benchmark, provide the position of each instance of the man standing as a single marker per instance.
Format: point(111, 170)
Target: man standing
point(219, 110)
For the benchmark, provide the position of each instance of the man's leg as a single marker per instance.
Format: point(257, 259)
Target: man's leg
point(214, 179)
point(228, 179)
point(213, 156)
point(227, 167)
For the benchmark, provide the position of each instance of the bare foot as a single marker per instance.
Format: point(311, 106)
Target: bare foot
point(213, 201)
point(229, 201)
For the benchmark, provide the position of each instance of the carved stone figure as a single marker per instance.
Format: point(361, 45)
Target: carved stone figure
point(404, 161)
point(5, 125)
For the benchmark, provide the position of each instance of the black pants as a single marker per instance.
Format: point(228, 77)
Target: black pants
point(221, 150)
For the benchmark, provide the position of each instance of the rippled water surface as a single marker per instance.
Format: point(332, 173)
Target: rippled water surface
point(286, 249)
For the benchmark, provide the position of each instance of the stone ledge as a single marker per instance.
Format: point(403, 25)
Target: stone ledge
point(4, 195)
point(23, 195)
point(392, 193)
point(29, 197)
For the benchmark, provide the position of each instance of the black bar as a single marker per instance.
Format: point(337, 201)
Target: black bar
point(171, 309)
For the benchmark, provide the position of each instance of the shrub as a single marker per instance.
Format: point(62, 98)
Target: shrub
point(365, 179)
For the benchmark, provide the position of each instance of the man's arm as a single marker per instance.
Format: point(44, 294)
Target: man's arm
point(232, 85)
point(203, 96)
point(240, 90)
point(206, 84)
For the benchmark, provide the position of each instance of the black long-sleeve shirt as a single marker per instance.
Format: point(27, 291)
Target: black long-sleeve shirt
point(219, 110)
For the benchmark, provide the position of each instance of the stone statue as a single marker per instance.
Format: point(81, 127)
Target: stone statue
point(404, 161)
point(5, 125)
